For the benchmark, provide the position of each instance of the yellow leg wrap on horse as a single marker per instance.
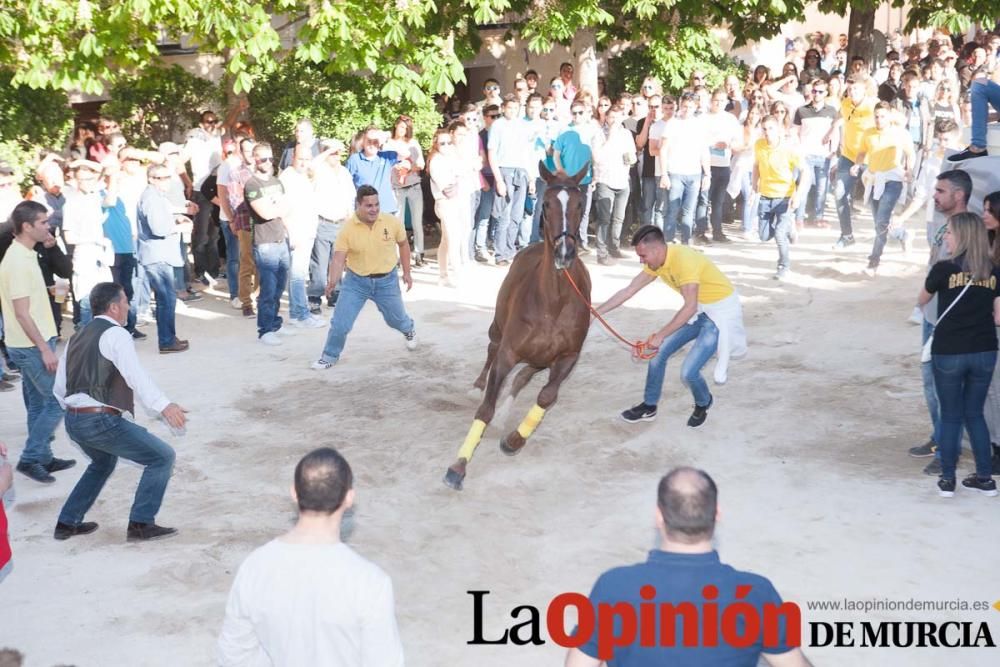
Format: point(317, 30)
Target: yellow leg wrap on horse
point(472, 439)
point(531, 422)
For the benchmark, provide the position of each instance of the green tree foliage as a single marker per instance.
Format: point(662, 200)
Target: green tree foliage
point(161, 104)
point(673, 63)
point(31, 122)
point(337, 104)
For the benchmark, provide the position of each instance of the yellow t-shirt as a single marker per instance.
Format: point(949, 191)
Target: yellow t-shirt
point(371, 249)
point(684, 266)
point(776, 166)
point(20, 276)
point(884, 149)
point(857, 119)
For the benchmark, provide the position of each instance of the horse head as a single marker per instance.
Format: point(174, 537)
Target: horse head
point(562, 212)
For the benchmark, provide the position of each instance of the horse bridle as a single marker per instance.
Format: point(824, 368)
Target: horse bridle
point(565, 218)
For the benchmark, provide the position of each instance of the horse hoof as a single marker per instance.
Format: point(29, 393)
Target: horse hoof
point(454, 479)
point(508, 450)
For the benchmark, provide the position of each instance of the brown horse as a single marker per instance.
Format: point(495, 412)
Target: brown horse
point(539, 320)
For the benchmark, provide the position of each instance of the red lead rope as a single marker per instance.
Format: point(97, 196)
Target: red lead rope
point(640, 348)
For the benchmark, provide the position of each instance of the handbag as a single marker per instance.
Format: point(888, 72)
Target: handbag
point(925, 352)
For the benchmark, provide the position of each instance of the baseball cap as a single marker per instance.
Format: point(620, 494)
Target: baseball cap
point(331, 145)
point(6, 169)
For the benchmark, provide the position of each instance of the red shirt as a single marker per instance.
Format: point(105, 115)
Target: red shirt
point(4, 539)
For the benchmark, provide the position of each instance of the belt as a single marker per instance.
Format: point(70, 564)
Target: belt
point(332, 222)
point(373, 275)
point(97, 409)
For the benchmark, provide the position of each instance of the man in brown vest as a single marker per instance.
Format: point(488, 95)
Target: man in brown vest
point(97, 375)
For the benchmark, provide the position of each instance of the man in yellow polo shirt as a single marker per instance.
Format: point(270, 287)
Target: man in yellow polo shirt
point(711, 317)
point(775, 164)
point(857, 112)
point(31, 339)
point(370, 245)
point(887, 151)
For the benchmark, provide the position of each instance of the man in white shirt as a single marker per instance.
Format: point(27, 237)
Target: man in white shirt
point(813, 122)
point(98, 375)
point(335, 198)
point(506, 150)
point(306, 598)
point(83, 227)
point(723, 132)
point(684, 167)
point(614, 155)
point(203, 147)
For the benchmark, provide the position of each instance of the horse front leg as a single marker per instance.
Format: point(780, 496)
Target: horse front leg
point(502, 365)
point(514, 441)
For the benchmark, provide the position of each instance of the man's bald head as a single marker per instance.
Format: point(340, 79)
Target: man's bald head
point(322, 480)
point(687, 498)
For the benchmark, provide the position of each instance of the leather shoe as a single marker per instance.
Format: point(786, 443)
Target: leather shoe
point(36, 471)
point(143, 532)
point(55, 465)
point(177, 346)
point(64, 531)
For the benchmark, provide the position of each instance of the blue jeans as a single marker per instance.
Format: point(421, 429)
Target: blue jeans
point(298, 276)
point(161, 282)
point(484, 213)
point(706, 337)
point(355, 291)
point(962, 381)
point(775, 219)
point(930, 391)
point(123, 273)
point(509, 211)
point(820, 183)
point(42, 407)
point(105, 438)
point(272, 266)
point(232, 259)
point(649, 189)
point(536, 213)
point(750, 202)
point(882, 212)
point(842, 192)
point(717, 198)
point(983, 94)
point(683, 198)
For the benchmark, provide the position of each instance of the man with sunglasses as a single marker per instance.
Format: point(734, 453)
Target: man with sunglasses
point(265, 195)
point(685, 167)
point(491, 93)
point(160, 252)
point(813, 122)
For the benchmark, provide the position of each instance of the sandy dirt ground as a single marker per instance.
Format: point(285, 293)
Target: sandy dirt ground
point(807, 443)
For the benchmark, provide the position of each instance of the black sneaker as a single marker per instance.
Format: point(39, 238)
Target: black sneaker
point(616, 253)
point(700, 414)
point(968, 154)
point(924, 450)
point(64, 531)
point(143, 532)
point(481, 258)
point(701, 239)
point(640, 413)
point(721, 239)
point(946, 487)
point(933, 468)
point(996, 460)
point(316, 307)
point(36, 471)
point(55, 465)
point(984, 485)
point(138, 335)
point(843, 242)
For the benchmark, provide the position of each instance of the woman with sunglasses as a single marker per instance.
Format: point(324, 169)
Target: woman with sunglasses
point(603, 105)
point(452, 209)
point(945, 104)
point(406, 181)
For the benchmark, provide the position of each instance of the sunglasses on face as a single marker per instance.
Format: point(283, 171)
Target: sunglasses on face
point(819, 91)
point(444, 142)
point(579, 113)
point(549, 109)
point(556, 85)
point(159, 178)
point(264, 160)
point(492, 88)
point(494, 116)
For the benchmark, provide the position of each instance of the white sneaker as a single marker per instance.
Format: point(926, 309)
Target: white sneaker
point(270, 338)
point(321, 364)
point(917, 316)
point(411, 341)
point(236, 303)
point(308, 323)
point(322, 322)
point(286, 331)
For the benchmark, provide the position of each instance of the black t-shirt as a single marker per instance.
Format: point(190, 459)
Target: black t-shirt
point(648, 161)
point(968, 327)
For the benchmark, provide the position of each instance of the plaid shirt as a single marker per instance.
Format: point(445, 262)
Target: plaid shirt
point(241, 210)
